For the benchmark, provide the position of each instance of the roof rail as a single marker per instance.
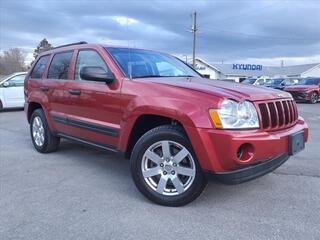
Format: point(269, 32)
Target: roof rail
point(70, 44)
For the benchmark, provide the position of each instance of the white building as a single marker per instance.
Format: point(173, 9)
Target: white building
point(238, 72)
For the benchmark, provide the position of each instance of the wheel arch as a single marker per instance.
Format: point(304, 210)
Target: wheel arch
point(142, 124)
point(32, 106)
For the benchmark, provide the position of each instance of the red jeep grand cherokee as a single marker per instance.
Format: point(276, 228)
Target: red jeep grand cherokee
point(307, 89)
point(176, 127)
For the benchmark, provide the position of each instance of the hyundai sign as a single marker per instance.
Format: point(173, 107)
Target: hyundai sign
point(247, 67)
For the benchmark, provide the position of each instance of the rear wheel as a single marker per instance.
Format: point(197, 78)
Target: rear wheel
point(1, 106)
point(42, 138)
point(164, 167)
point(314, 97)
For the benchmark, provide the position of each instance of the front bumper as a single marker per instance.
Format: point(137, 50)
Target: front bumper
point(300, 96)
point(217, 149)
point(249, 173)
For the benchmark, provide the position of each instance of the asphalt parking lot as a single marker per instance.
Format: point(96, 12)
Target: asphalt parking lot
point(82, 193)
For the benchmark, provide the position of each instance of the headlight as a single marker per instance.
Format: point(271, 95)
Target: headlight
point(235, 115)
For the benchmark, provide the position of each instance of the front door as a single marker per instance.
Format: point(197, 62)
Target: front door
point(13, 93)
point(92, 108)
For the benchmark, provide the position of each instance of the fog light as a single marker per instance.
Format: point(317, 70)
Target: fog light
point(240, 152)
point(245, 152)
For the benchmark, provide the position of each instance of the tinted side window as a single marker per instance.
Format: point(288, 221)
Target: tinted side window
point(40, 67)
point(17, 81)
point(88, 58)
point(59, 67)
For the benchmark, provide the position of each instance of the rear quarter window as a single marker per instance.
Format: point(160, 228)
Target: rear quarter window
point(39, 68)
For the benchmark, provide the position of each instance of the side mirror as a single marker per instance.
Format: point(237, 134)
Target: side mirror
point(6, 84)
point(98, 74)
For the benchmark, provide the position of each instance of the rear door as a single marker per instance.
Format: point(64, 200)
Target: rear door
point(13, 93)
point(54, 86)
point(92, 108)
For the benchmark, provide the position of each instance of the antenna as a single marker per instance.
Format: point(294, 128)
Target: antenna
point(129, 49)
point(194, 30)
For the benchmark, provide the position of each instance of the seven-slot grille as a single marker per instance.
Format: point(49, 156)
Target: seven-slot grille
point(278, 114)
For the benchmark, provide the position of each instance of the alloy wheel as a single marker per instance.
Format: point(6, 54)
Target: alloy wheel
point(168, 168)
point(314, 97)
point(38, 131)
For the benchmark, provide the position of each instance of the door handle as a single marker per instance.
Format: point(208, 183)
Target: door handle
point(44, 88)
point(74, 92)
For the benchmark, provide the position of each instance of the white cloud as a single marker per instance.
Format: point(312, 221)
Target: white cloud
point(122, 20)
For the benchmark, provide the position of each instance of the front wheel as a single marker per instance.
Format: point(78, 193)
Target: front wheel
point(164, 167)
point(314, 97)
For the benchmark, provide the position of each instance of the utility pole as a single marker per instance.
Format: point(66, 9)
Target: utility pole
point(194, 31)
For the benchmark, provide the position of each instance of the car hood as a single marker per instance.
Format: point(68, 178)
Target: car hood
point(300, 87)
point(236, 91)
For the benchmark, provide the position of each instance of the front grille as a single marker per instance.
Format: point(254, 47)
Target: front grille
point(277, 114)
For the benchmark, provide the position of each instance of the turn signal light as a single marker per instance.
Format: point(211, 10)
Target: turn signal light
point(215, 118)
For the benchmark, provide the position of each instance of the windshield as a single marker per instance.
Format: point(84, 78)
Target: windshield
point(136, 63)
point(276, 81)
point(306, 81)
point(249, 80)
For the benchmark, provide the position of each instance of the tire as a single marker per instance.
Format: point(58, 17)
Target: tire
point(42, 138)
point(1, 106)
point(166, 183)
point(314, 98)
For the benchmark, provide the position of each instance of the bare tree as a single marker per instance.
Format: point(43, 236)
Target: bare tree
point(11, 61)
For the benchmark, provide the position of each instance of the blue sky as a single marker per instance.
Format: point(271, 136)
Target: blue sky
point(263, 32)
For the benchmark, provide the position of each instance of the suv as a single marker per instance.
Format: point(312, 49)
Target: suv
point(177, 128)
point(307, 89)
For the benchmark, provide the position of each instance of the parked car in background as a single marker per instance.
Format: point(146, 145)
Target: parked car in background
point(255, 81)
point(177, 128)
point(280, 83)
point(307, 89)
point(11, 91)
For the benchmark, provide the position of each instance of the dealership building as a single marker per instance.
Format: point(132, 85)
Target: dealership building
point(239, 72)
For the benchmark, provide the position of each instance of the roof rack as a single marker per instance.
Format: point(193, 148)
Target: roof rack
point(70, 44)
